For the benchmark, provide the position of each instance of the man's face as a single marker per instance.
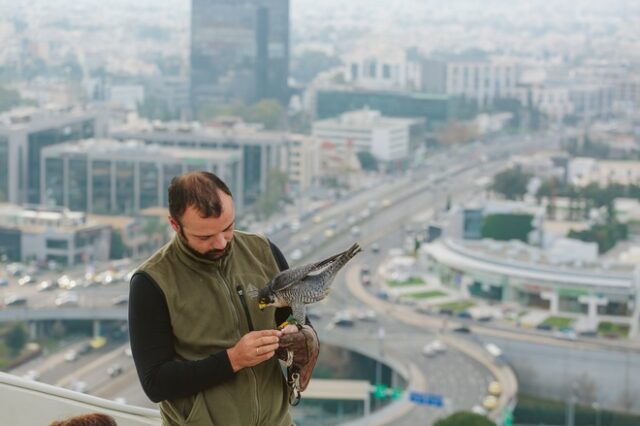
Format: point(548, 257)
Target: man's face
point(207, 237)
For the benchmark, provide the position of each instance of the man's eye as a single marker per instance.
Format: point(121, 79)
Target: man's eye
point(204, 238)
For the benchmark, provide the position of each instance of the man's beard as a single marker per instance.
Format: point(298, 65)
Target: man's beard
point(208, 255)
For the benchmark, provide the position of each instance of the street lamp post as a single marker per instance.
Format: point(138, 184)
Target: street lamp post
point(596, 407)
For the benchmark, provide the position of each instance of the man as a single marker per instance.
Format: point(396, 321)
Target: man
point(201, 349)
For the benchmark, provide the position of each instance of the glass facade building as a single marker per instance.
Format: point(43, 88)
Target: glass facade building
point(38, 140)
point(110, 177)
point(4, 169)
point(239, 51)
point(24, 134)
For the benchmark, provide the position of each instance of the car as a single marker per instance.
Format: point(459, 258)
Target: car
point(382, 295)
point(375, 248)
point(26, 279)
point(565, 335)
point(329, 232)
point(495, 388)
point(84, 348)
point(31, 375)
point(367, 315)
point(343, 319)
point(120, 300)
point(464, 314)
point(544, 327)
point(433, 348)
point(79, 386)
point(4, 282)
point(67, 299)
point(294, 226)
point(366, 280)
point(355, 231)
point(428, 350)
point(476, 409)
point(71, 356)
point(462, 329)
point(365, 269)
point(490, 402)
point(15, 300)
point(589, 333)
point(46, 286)
point(114, 370)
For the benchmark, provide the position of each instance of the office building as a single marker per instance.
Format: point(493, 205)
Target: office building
point(261, 150)
point(104, 176)
point(52, 234)
point(388, 139)
point(239, 51)
point(23, 135)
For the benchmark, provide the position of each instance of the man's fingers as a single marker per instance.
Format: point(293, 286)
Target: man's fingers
point(265, 333)
point(268, 340)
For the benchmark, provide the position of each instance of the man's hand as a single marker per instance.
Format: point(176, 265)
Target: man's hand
point(303, 343)
point(254, 348)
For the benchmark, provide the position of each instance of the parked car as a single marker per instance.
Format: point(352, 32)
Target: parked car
point(15, 300)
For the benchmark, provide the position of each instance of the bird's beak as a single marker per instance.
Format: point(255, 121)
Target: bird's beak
point(262, 306)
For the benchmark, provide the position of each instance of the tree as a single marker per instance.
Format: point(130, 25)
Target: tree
point(118, 248)
point(16, 338)
point(306, 66)
point(512, 183)
point(269, 202)
point(368, 161)
point(268, 112)
point(464, 418)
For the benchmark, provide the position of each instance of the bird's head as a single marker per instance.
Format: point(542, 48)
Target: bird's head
point(266, 297)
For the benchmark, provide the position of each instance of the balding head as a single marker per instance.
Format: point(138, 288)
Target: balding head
point(200, 190)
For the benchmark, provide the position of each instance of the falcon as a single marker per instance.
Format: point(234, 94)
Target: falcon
point(299, 286)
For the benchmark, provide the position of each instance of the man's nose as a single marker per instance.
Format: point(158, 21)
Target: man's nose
point(219, 242)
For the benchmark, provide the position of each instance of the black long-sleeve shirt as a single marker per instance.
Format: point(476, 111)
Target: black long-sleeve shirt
point(161, 375)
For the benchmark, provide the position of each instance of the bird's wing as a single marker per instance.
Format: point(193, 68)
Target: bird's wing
point(289, 277)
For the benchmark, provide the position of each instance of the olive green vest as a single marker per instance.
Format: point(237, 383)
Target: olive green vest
point(207, 316)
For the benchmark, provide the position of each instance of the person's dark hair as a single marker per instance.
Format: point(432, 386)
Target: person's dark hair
point(91, 419)
point(198, 189)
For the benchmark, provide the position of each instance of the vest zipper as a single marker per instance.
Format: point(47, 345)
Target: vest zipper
point(253, 374)
point(244, 306)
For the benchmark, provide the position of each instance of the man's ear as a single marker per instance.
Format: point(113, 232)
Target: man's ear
point(174, 224)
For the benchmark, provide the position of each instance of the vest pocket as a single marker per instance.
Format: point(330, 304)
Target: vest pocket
point(195, 416)
point(185, 411)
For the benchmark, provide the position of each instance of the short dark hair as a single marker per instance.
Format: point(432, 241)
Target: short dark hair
point(198, 189)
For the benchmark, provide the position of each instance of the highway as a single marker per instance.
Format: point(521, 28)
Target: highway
point(461, 381)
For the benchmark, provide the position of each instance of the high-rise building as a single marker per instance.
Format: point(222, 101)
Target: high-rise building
point(105, 176)
point(23, 135)
point(239, 51)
